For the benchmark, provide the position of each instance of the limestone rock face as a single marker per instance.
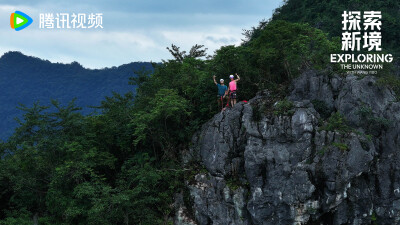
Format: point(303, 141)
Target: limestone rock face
point(268, 167)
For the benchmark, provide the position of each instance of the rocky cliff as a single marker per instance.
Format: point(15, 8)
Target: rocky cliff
point(327, 154)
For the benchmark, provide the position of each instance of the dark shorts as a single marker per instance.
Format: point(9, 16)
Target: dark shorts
point(224, 99)
point(232, 94)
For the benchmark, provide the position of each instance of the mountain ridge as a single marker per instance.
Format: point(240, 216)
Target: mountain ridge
point(28, 79)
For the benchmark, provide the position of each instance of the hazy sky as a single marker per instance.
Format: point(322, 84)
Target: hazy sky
point(134, 30)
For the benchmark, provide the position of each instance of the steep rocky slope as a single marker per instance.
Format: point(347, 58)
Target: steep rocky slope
point(265, 165)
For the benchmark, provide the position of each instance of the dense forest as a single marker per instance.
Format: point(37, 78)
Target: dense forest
point(327, 16)
point(123, 165)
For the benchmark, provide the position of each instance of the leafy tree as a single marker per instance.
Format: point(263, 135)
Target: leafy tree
point(121, 165)
point(158, 124)
point(276, 52)
point(327, 16)
point(284, 49)
point(195, 52)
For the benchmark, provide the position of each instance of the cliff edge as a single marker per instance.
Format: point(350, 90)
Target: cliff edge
point(329, 153)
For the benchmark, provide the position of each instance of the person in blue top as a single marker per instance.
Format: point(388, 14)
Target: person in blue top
point(222, 93)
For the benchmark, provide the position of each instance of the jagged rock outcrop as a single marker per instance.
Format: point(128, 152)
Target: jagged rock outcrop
point(268, 167)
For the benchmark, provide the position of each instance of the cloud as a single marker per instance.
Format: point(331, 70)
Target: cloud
point(213, 39)
point(221, 40)
point(239, 7)
point(6, 8)
point(135, 30)
point(89, 48)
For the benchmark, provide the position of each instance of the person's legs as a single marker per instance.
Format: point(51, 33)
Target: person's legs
point(220, 104)
point(233, 98)
point(227, 100)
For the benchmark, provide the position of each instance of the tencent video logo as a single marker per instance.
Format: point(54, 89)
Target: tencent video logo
point(20, 21)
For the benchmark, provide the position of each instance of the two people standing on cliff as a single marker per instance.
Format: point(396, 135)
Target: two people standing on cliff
point(224, 91)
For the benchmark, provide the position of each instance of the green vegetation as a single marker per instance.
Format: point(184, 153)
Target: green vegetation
point(284, 107)
point(69, 169)
point(336, 123)
point(258, 111)
point(322, 151)
point(321, 108)
point(234, 183)
point(327, 16)
point(26, 79)
point(332, 146)
point(123, 166)
point(278, 54)
point(310, 210)
point(341, 146)
point(372, 124)
point(392, 82)
point(374, 219)
point(193, 168)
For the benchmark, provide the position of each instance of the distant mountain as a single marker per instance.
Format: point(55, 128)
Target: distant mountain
point(25, 79)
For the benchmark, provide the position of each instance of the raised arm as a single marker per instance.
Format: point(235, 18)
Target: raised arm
point(215, 82)
point(238, 78)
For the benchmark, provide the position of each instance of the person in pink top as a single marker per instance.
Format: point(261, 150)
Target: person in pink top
point(233, 88)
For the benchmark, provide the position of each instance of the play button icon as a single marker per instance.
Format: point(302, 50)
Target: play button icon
point(19, 20)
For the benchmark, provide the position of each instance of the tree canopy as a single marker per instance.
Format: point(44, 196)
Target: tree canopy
point(123, 166)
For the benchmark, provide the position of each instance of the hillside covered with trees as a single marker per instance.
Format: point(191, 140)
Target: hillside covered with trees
point(26, 80)
point(327, 16)
point(123, 165)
